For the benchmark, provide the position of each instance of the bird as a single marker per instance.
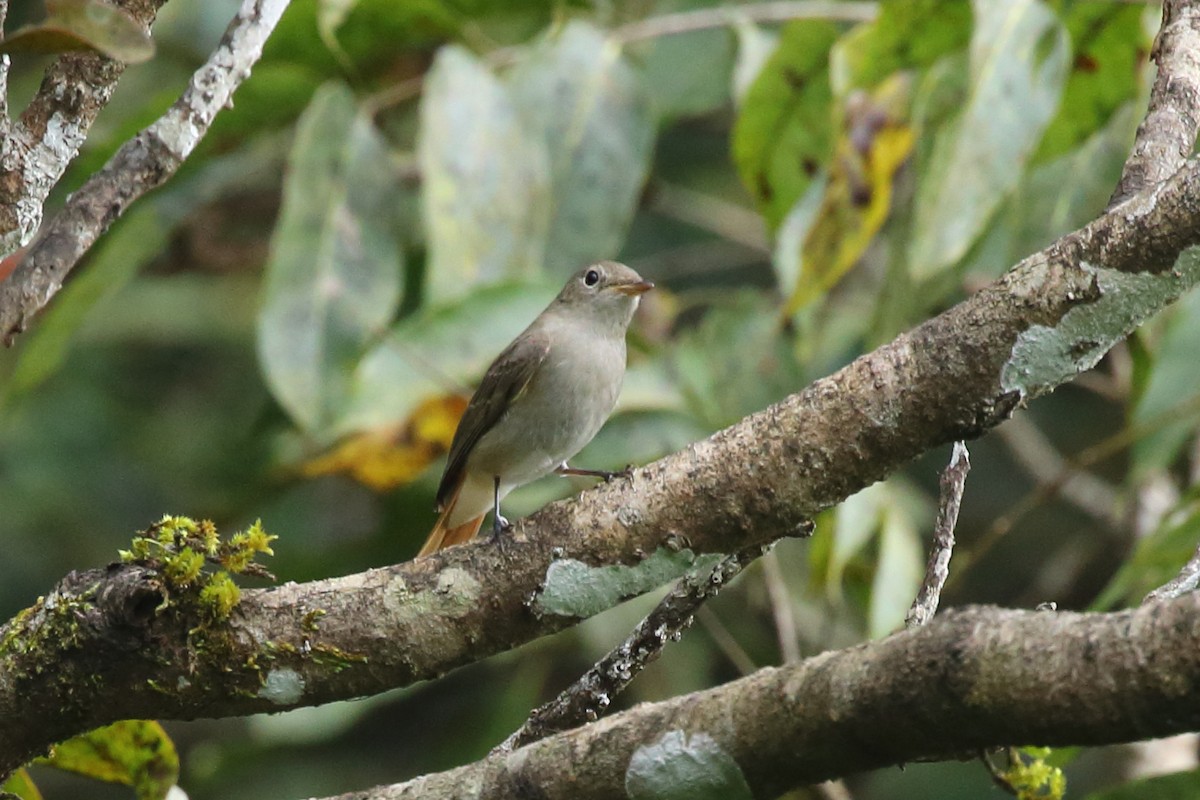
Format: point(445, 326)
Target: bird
point(540, 402)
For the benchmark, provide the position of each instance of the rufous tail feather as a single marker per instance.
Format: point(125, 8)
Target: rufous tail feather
point(442, 537)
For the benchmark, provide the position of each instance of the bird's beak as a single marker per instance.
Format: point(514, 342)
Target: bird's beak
point(634, 289)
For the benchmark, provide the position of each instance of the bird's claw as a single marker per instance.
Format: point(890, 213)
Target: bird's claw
point(500, 526)
point(627, 472)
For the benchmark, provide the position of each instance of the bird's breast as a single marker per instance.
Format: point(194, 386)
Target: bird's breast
point(562, 407)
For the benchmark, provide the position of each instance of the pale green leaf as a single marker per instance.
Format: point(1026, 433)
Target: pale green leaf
point(1174, 381)
point(84, 25)
point(333, 279)
point(1176, 786)
point(736, 361)
point(1019, 55)
point(675, 86)
point(577, 95)
point(685, 766)
point(754, 47)
point(443, 349)
point(898, 570)
point(486, 180)
point(856, 523)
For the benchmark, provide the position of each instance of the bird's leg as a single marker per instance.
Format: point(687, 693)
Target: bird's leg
point(566, 469)
point(499, 523)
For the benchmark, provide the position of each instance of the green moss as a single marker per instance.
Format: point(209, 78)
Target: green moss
point(336, 657)
point(1031, 777)
point(181, 549)
point(311, 622)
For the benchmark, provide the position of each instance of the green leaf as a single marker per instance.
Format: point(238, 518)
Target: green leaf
point(84, 25)
point(1174, 381)
point(675, 87)
point(735, 361)
point(907, 34)
point(333, 278)
point(1157, 557)
point(1177, 786)
point(486, 180)
point(784, 134)
point(1110, 45)
point(754, 47)
point(1061, 195)
point(578, 96)
point(136, 753)
point(21, 785)
point(856, 523)
point(1018, 68)
point(440, 350)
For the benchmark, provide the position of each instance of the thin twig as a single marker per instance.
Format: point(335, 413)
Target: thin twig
point(707, 18)
point(141, 164)
point(1186, 581)
point(593, 692)
point(954, 478)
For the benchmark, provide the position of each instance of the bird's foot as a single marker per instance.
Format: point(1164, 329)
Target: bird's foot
point(605, 475)
point(500, 526)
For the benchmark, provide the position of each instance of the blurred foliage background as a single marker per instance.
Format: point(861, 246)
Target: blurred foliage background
point(287, 330)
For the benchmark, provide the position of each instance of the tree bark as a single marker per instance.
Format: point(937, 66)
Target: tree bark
point(972, 678)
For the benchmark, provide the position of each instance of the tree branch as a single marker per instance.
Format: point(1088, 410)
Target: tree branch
point(141, 164)
point(953, 481)
point(1168, 133)
point(972, 678)
point(589, 696)
point(953, 377)
point(74, 90)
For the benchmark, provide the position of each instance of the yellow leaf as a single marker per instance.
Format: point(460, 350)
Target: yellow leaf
point(384, 459)
point(136, 753)
point(22, 786)
point(875, 141)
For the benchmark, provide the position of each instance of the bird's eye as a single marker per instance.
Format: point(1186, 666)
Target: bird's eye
point(592, 277)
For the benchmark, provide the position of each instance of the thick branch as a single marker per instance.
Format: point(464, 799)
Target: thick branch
point(972, 678)
point(951, 378)
point(141, 164)
point(1168, 133)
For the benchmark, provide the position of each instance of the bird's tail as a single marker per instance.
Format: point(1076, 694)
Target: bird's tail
point(442, 536)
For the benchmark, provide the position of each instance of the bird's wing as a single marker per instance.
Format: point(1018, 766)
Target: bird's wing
point(504, 381)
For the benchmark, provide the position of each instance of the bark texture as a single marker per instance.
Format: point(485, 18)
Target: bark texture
point(972, 678)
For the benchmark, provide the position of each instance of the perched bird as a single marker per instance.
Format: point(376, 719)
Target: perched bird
point(542, 399)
